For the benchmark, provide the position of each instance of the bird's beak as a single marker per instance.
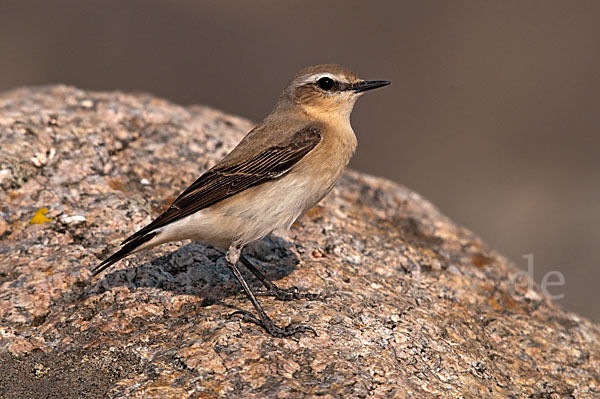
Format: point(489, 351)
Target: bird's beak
point(368, 85)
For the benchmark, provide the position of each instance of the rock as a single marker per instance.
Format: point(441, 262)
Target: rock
point(415, 306)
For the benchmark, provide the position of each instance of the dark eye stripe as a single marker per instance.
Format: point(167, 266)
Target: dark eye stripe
point(329, 85)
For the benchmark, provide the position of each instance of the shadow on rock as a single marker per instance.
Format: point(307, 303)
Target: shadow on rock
point(200, 270)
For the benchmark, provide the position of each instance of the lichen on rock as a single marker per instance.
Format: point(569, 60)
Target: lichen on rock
point(416, 306)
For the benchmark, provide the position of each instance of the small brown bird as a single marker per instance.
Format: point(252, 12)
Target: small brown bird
point(280, 169)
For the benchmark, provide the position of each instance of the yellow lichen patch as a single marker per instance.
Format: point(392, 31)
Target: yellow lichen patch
point(40, 216)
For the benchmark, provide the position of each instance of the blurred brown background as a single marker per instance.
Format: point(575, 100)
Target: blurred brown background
point(494, 113)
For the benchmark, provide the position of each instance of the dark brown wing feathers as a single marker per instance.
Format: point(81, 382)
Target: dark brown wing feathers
point(125, 250)
point(222, 182)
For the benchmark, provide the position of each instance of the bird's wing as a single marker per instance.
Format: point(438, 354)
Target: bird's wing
point(222, 182)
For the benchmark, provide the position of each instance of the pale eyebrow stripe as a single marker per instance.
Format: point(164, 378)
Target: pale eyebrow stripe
point(313, 78)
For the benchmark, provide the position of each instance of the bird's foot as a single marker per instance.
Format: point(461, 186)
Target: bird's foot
point(288, 294)
point(272, 328)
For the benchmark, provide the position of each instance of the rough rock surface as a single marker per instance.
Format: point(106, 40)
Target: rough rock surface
point(415, 306)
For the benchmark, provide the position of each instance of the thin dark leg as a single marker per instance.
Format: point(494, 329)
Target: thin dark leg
point(273, 290)
point(264, 321)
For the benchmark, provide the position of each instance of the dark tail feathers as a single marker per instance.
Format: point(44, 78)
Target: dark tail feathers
point(125, 250)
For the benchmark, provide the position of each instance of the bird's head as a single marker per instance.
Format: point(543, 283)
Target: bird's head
point(327, 91)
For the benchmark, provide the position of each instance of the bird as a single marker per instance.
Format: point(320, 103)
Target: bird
point(278, 171)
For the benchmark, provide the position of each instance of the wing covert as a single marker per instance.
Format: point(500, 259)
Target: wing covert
point(221, 182)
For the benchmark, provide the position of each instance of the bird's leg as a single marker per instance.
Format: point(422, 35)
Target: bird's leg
point(233, 255)
point(288, 294)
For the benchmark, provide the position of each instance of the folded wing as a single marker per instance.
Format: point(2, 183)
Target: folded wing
point(222, 182)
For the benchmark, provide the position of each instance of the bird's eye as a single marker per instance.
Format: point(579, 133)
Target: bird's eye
point(325, 83)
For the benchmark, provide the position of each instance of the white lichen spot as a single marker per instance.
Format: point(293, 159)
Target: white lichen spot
point(43, 157)
point(73, 219)
point(4, 173)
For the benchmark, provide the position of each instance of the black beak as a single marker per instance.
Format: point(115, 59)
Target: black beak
point(369, 85)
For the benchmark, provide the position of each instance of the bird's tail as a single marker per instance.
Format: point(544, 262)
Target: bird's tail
point(125, 250)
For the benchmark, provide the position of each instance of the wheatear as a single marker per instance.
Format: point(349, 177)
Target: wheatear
point(279, 170)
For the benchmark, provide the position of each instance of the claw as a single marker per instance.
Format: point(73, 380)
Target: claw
point(272, 328)
point(289, 294)
point(263, 319)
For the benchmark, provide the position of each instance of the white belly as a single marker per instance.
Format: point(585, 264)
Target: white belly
point(249, 216)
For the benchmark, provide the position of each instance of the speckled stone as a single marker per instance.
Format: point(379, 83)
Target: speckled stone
point(415, 306)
